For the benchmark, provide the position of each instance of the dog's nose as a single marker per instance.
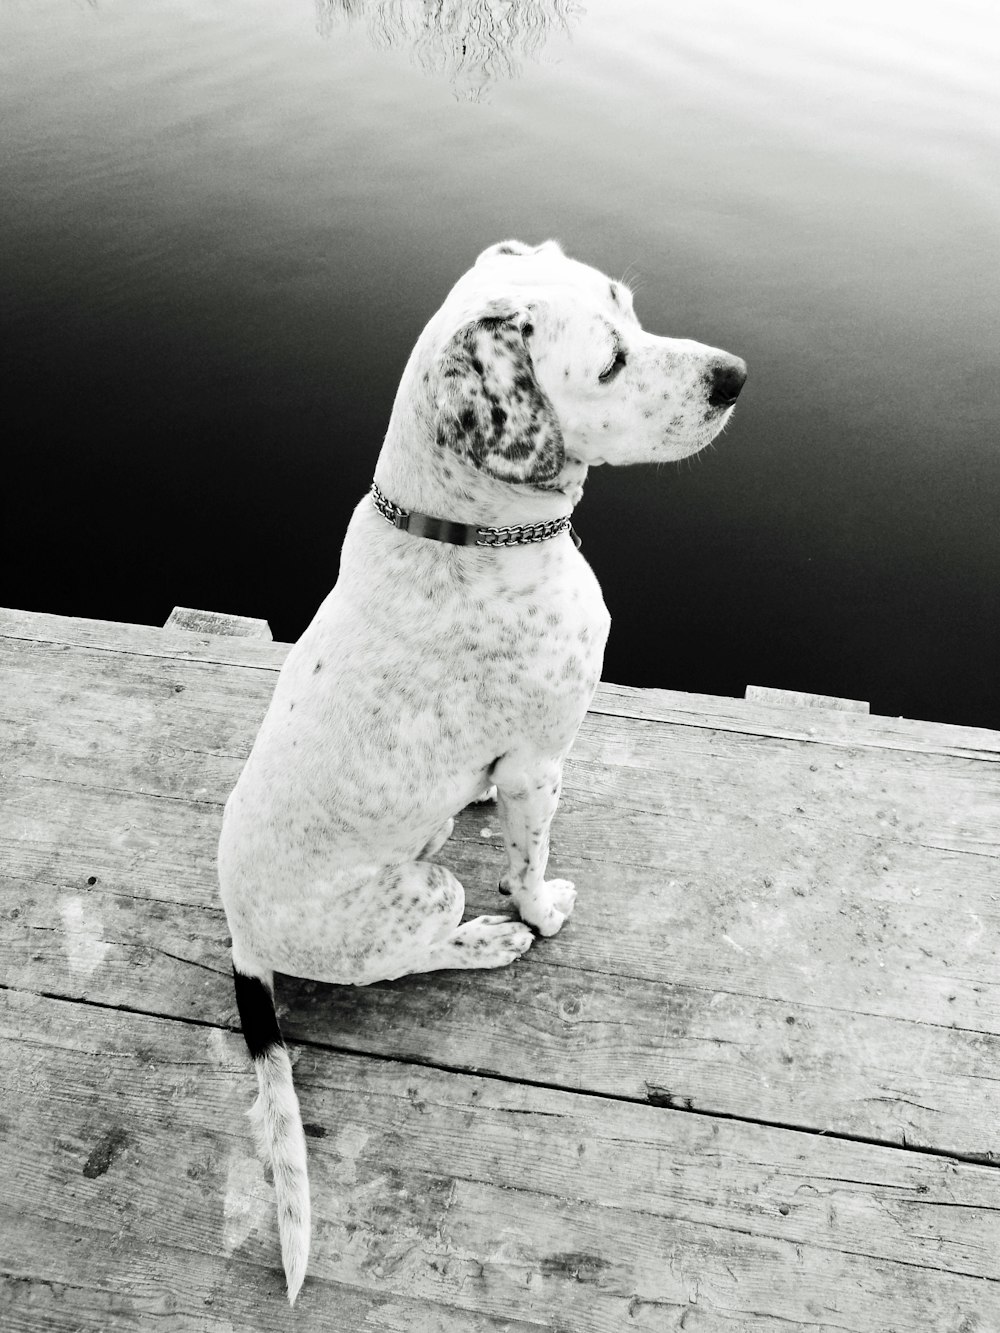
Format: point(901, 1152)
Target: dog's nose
point(725, 382)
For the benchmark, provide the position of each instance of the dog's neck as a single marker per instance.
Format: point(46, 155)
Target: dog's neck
point(417, 474)
point(469, 534)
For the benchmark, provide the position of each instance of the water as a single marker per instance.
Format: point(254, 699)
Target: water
point(224, 224)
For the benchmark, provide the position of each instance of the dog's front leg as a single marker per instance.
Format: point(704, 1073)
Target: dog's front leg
point(527, 796)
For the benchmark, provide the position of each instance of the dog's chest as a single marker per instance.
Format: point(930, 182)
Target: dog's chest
point(513, 618)
point(534, 650)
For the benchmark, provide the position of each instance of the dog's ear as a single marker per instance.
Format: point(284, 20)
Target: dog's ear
point(504, 248)
point(490, 408)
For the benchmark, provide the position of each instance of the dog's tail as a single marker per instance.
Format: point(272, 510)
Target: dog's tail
point(277, 1121)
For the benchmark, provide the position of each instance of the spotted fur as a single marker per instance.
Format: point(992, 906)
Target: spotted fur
point(431, 672)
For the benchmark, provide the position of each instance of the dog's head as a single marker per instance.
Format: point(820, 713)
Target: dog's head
point(540, 360)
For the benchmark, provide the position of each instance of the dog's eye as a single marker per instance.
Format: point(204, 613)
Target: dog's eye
point(616, 365)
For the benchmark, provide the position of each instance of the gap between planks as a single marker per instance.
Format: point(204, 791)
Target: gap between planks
point(656, 1097)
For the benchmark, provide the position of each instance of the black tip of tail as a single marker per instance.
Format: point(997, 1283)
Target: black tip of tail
point(257, 1017)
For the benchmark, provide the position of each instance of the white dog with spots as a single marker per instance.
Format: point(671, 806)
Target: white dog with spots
point(451, 656)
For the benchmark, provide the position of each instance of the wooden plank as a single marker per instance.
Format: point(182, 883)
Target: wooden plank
point(93, 1281)
point(41, 679)
point(122, 721)
point(820, 725)
point(111, 636)
point(768, 694)
point(752, 825)
point(145, 855)
point(217, 622)
point(711, 712)
point(448, 1202)
point(149, 933)
point(729, 883)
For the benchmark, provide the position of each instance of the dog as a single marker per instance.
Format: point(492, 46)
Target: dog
point(458, 652)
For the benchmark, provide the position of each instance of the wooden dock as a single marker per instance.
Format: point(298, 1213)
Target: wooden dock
point(754, 1085)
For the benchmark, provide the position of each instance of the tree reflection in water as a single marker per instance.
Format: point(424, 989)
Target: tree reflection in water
point(471, 43)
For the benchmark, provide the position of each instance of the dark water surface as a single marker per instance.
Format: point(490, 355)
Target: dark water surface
point(224, 224)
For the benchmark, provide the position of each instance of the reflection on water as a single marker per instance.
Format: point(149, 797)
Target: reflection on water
point(470, 43)
point(222, 232)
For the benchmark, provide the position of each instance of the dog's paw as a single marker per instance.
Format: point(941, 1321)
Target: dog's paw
point(490, 794)
point(561, 895)
point(548, 907)
point(494, 941)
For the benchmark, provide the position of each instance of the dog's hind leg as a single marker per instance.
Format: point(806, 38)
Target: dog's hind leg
point(419, 927)
point(486, 941)
point(403, 919)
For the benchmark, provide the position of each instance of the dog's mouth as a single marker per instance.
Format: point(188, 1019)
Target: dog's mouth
point(716, 421)
point(716, 418)
point(686, 443)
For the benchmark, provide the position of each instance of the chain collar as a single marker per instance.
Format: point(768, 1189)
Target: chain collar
point(467, 534)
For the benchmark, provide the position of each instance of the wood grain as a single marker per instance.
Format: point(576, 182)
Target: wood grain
point(462, 1198)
